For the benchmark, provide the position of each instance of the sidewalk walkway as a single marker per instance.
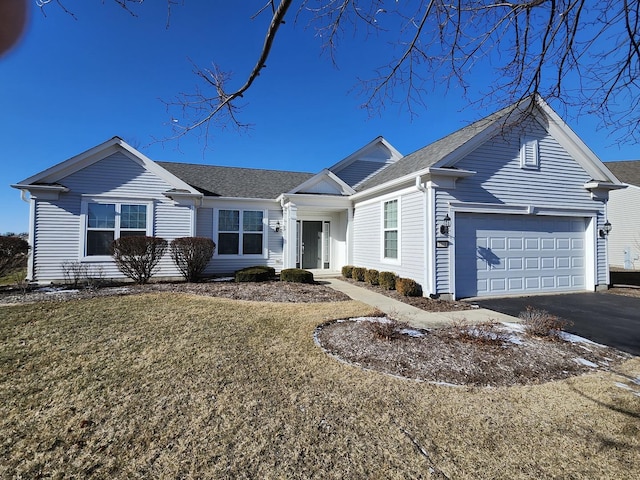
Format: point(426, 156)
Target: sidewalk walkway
point(414, 316)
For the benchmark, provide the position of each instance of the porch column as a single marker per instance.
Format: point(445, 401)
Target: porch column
point(290, 214)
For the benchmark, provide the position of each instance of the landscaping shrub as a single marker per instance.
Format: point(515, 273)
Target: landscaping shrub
point(191, 255)
point(347, 270)
point(138, 256)
point(386, 328)
point(541, 323)
point(78, 273)
point(371, 277)
point(259, 273)
point(358, 273)
point(14, 251)
point(408, 287)
point(296, 275)
point(387, 280)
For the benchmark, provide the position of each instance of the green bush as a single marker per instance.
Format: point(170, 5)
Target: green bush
point(296, 275)
point(408, 287)
point(346, 271)
point(358, 273)
point(387, 280)
point(137, 256)
point(259, 273)
point(371, 277)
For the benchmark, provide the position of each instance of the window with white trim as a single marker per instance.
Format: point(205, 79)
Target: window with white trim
point(108, 221)
point(240, 232)
point(529, 157)
point(390, 230)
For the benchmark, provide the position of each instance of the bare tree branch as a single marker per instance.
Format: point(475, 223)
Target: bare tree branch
point(223, 101)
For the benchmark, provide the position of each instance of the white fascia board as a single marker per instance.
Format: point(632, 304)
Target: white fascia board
point(574, 145)
point(42, 192)
point(411, 178)
point(344, 187)
point(153, 167)
point(318, 201)
point(395, 154)
point(604, 185)
point(99, 152)
point(62, 169)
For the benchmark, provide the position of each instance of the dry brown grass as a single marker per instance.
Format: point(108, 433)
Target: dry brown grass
point(179, 386)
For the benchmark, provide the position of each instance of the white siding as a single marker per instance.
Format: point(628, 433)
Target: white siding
point(58, 232)
point(624, 239)
point(221, 264)
point(367, 237)
point(500, 180)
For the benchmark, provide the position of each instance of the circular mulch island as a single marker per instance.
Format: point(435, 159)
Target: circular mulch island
point(495, 355)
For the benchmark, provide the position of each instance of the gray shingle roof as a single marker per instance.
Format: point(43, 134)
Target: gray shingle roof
point(236, 182)
point(434, 152)
point(626, 172)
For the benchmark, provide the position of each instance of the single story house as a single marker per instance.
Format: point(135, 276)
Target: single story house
point(624, 215)
point(514, 203)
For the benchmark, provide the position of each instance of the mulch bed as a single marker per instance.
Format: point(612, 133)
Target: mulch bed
point(493, 355)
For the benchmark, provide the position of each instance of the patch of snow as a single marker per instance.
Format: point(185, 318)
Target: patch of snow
point(636, 380)
point(513, 327)
point(585, 362)
point(515, 340)
point(571, 338)
point(61, 292)
point(120, 289)
point(372, 319)
point(222, 279)
point(412, 333)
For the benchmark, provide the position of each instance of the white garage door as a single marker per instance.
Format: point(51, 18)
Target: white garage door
point(517, 254)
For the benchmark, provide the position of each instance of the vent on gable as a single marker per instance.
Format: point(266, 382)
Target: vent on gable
point(529, 157)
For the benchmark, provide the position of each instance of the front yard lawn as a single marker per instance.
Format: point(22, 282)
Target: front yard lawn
point(171, 385)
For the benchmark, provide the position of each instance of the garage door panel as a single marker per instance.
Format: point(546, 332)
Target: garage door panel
point(515, 254)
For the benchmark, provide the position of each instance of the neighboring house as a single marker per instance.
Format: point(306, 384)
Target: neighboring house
point(624, 215)
point(511, 204)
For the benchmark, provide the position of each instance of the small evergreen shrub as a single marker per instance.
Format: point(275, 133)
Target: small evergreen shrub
point(358, 273)
point(371, 276)
point(259, 273)
point(387, 280)
point(408, 287)
point(191, 255)
point(347, 270)
point(297, 275)
point(137, 256)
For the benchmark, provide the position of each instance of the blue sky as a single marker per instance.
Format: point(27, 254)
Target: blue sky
point(72, 84)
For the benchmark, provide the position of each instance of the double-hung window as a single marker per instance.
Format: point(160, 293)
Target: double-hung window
point(240, 232)
point(390, 230)
point(108, 221)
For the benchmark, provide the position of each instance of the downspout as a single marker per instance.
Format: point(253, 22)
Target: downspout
point(427, 240)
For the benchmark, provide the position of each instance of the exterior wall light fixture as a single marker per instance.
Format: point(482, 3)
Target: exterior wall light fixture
point(445, 225)
point(606, 228)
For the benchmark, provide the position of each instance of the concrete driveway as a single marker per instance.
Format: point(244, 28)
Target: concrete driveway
point(605, 318)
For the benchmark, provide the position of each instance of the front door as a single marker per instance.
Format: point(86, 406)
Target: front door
point(311, 244)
